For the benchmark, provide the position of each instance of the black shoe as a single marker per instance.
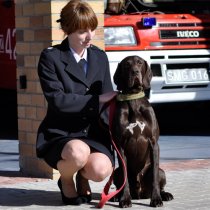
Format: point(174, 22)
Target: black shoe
point(86, 198)
point(69, 201)
point(80, 183)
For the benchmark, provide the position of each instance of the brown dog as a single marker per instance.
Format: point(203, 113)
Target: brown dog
point(136, 132)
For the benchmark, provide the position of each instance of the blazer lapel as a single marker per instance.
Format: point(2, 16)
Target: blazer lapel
point(93, 65)
point(71, 65)
point(73, 68)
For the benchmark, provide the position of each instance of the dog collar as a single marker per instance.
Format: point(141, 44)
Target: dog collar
point(128, 97)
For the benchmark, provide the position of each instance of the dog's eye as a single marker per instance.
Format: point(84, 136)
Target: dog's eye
point(138, 62)
point(127, 65)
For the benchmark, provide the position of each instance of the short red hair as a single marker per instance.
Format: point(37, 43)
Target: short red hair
point(77, 15)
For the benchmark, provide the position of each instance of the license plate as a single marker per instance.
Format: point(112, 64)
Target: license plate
point(186, 75)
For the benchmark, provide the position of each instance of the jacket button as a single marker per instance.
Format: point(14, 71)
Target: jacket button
point(84, 131)
point(87, 89)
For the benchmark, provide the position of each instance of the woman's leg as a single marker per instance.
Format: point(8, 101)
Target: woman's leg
point(97, 168)
point(75, 155)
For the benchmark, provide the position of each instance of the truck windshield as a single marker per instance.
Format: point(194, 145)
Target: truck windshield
point(167, 6)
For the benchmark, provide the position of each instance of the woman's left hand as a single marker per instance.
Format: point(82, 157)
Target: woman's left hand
point(106, 97)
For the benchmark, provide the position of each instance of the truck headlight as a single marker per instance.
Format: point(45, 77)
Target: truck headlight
point(119, 36)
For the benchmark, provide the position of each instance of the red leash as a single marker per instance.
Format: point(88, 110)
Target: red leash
point(104, 195)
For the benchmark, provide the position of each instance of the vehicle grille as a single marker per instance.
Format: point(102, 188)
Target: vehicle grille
point(179, 43)
point(166, 25)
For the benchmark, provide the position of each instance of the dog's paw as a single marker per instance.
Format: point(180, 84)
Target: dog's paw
point(125, 203)
point(156, 202)
point(166, 196)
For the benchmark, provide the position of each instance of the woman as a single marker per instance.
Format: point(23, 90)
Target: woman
point(70, 138)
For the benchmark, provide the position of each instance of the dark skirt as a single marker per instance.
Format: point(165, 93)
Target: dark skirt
point(53, 154)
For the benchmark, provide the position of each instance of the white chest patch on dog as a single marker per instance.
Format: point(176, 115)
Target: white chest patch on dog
point(141, 125)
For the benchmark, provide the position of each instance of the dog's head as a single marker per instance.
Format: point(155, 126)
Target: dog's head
point(132, 75)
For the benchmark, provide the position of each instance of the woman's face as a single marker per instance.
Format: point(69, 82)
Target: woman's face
point(81, 39)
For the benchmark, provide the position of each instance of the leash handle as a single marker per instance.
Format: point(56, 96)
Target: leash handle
point(104, 195)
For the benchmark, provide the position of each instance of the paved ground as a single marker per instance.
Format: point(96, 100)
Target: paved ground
point(186, 161)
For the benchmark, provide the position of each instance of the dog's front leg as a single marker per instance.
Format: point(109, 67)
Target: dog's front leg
point(156, 200)
point(125, 197)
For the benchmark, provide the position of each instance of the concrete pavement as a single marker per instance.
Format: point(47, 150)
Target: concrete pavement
point(186, 161)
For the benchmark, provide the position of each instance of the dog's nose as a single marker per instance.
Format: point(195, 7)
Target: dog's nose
point(135, 72)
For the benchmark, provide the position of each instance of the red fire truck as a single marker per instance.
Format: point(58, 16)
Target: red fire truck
point(8, 95)
point(173, 36)
point(7, 45)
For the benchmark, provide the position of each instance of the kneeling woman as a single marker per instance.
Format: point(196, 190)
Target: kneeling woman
point(70, 138)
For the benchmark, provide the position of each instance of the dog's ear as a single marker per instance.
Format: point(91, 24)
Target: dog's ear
point(147, 76)
point(118, 77)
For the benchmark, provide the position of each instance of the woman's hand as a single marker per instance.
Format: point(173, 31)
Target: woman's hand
point(106, 97)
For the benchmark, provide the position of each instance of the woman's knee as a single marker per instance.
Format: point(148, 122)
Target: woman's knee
point(76, 151)
point(98, 167)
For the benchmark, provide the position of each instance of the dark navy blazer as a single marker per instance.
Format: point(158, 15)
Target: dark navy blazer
point(73, 98)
